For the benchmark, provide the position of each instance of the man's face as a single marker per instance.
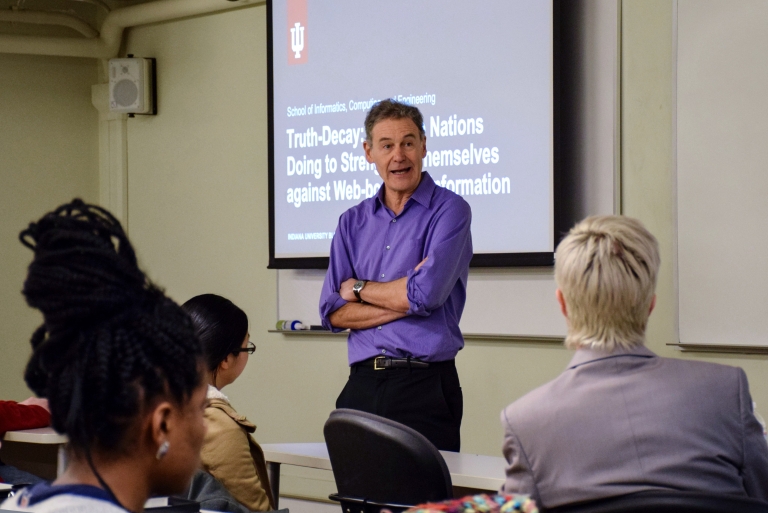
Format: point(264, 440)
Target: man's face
point(397, 148)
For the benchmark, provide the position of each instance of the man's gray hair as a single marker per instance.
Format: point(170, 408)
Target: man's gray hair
point(391, 109)
point(606, 268)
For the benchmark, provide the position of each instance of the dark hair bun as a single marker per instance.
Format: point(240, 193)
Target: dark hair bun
point(84, 268)
point(109, 336)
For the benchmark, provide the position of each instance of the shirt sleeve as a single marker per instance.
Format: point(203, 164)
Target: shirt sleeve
point(339, 269)
point(755, 451)
point(449, 250)
point(14, 416)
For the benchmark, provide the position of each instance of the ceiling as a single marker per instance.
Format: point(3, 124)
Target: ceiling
point(70, 18)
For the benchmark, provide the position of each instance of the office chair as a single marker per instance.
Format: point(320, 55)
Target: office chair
point(661, 501)
point(379, 463)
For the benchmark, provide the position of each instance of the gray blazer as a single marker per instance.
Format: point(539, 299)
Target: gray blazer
point(627, 421)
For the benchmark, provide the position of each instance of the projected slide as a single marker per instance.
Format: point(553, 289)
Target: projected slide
point(481, 74)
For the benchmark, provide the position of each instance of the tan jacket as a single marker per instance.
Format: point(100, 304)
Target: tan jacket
point(233, 457)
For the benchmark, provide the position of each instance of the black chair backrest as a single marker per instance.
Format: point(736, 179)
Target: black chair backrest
point(382, 461)
point(661, 501)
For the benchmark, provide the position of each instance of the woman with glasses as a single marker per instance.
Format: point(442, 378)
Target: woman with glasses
point(229, 451)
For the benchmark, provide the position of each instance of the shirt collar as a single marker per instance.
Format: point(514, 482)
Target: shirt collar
point(586, 355)
point(42, 491)
point(422, 195)
point(215, 393)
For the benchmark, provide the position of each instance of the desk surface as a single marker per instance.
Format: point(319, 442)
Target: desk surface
point(467, 470)
point(44, 435)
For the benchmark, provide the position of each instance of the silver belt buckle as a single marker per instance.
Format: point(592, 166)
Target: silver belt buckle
point(376, 363)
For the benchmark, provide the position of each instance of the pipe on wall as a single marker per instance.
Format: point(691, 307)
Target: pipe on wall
point(107, 45)
point(49, 18)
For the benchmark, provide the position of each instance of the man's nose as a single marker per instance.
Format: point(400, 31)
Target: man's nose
point(399, 153)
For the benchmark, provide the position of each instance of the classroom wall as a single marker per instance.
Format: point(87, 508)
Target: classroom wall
point(197, 182)
point(198, 216)
point(197, 178)
point(648, 168)
point(48, 155)
point(197, 210)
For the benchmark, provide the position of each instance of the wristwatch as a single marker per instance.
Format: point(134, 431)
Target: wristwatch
point(357, 287)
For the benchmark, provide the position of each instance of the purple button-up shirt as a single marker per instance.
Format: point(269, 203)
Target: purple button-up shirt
point(372, 243)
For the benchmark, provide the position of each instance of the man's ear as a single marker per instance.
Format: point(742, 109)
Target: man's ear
point(424, 146)
point(653, 304)
point(367, 148)
point(561, 300)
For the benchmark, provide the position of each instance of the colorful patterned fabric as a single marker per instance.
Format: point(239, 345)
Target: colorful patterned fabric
point(480, 504)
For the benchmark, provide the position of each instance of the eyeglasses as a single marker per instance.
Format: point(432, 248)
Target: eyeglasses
point(250, 349)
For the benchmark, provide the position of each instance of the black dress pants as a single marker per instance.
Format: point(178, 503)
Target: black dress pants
point(428, 400)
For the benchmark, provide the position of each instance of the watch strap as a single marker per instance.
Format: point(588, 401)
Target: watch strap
point(357, 289)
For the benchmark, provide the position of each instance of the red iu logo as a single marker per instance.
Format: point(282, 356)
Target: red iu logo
point(297, 31)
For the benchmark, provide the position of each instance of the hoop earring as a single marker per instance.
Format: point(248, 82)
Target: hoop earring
point(162, 450)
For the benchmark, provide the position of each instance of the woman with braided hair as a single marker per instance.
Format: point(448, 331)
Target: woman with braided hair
point(229, 451)
point(119, 363)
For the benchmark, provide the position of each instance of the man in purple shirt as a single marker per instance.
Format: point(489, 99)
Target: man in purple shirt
point(398, 278)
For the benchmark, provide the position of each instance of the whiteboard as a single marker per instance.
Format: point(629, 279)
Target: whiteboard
point(521, 301)
point(722, 171)
point(499, 301)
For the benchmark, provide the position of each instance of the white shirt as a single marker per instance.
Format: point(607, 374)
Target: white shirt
point(47, 498)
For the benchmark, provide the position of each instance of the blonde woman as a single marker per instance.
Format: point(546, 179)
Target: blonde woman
point(621, 419)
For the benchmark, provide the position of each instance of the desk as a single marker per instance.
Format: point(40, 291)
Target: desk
point(44, 436)
point(467, 470)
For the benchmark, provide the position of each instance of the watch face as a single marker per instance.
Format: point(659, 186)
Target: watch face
point(358, 286)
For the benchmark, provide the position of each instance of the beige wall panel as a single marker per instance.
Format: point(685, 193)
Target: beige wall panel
point(198, 207)
point(198, 217)
point(48, 155)
point(197, 189)
point(722, 128)
point(648, 167)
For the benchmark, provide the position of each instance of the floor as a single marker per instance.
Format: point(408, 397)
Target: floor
point(304, 506)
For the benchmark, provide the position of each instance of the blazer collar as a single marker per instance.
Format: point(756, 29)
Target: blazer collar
point(585, 355)
point(224, 406)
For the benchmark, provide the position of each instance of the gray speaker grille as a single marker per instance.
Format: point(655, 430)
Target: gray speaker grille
point(126, 93)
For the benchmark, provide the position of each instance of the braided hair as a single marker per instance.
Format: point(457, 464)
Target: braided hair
point(220, 325)
point(111, 341)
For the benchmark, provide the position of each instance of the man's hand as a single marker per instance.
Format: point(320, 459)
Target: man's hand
point(36, 401)
point(359, 316)
point(346, 291)
point(347, 294)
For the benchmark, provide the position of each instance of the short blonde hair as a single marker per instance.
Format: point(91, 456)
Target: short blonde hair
point(606, 268)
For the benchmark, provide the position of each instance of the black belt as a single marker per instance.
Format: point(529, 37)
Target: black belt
point(386, 362)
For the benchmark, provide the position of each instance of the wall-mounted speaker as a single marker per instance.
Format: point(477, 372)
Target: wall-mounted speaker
point(132, 86)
